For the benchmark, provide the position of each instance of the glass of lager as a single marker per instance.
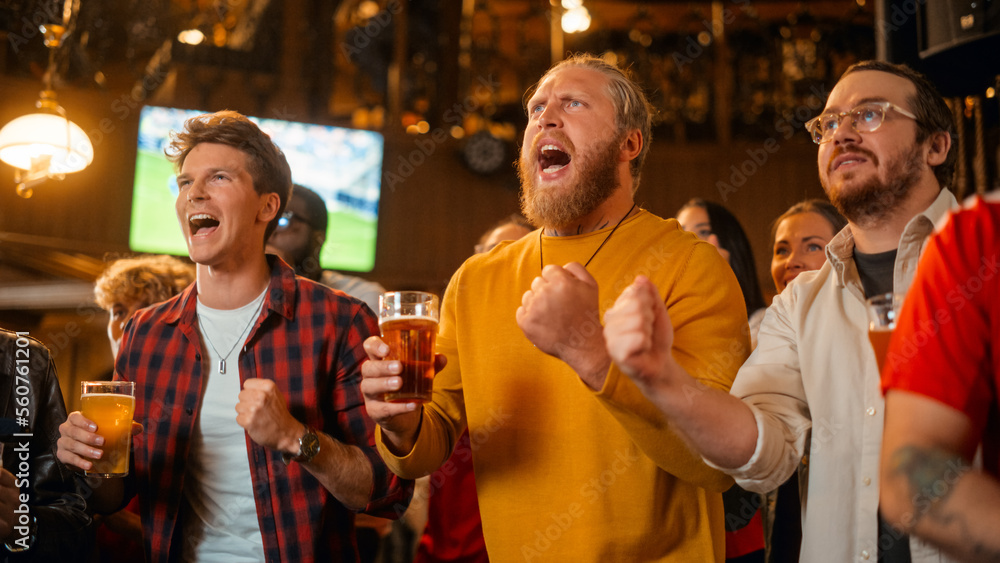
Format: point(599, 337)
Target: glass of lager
point(408, 321)
point(882, 313)
point(109, 405)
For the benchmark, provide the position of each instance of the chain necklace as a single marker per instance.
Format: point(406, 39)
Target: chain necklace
point(243, 333)
point(541, 260)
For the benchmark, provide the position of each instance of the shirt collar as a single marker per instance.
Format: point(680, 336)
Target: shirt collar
point(281, 292)
point(840, 250)
point(280, 298)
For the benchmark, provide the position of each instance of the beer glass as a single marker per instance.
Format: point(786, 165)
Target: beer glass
point(882, 312)
point(408, 321)
point(110, 404)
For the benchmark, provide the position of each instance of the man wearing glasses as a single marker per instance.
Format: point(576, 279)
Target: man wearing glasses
point(812, 385)
point(298, 239)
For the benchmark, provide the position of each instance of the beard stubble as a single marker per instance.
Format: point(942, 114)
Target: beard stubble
point(875, 199)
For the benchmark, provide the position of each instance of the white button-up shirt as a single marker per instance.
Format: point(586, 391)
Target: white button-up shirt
point(814, 374)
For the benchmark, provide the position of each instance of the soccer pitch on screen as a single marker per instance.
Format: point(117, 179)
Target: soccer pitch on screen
point(343, 165)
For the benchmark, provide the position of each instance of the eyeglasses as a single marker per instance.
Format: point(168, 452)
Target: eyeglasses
point(286, 219)
point(865, 118)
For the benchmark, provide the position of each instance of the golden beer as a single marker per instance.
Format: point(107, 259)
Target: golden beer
point(882, 313)
point(880, 343)
point(112, 413)
point(408, 321)
point(411, 341)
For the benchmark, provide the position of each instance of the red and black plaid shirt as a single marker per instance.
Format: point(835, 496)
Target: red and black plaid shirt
point(308, 339)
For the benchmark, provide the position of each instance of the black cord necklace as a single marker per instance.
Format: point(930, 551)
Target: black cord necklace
point(541, 260)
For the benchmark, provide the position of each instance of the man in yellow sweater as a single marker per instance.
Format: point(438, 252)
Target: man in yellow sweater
point(572, 463)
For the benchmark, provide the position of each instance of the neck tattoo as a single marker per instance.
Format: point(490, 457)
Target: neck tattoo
point(541, 259)
point(243, 333)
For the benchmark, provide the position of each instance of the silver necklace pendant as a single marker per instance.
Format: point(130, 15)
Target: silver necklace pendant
point(222, 360)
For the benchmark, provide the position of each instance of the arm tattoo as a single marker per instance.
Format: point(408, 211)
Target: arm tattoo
point(931, 474)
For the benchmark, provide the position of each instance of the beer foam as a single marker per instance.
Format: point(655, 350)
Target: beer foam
point(114, 395)
point(407, 318)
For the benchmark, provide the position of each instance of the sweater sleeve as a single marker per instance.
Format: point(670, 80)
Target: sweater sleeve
point(711, 341)
point(443, 419)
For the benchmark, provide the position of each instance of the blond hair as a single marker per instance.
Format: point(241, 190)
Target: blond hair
point(142, 281)
point(632, 108)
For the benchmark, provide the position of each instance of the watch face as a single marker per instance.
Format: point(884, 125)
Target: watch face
point(309, 444)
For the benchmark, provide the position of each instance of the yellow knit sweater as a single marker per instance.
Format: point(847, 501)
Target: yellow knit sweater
point(564, 473)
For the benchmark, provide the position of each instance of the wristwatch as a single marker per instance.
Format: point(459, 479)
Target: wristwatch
point(308, 448)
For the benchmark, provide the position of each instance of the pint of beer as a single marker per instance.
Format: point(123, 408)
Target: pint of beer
point(882, 312)
point(408, 321)
point(110, 404)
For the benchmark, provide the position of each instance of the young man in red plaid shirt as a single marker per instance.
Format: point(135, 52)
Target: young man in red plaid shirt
point(256, 444)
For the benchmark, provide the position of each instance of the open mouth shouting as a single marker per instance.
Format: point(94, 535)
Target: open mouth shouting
point(552, 158)
point(202, 224)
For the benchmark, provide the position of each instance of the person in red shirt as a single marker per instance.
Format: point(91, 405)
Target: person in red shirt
point(279, 478)
point(941, 383)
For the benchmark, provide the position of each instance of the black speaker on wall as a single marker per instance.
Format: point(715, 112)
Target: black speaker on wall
point(949, 24)
point(958, 42)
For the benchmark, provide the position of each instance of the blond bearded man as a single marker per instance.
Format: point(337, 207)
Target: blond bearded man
point(572, 463)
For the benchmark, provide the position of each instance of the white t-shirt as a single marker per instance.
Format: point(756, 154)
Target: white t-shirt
point(220, 519)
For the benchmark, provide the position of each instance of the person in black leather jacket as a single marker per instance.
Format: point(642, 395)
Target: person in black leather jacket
point(51, 524)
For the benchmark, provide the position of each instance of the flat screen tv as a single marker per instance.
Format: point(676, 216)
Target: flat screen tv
point(344, 166)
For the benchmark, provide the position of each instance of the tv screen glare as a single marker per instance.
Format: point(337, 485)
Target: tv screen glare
point(344, 166)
